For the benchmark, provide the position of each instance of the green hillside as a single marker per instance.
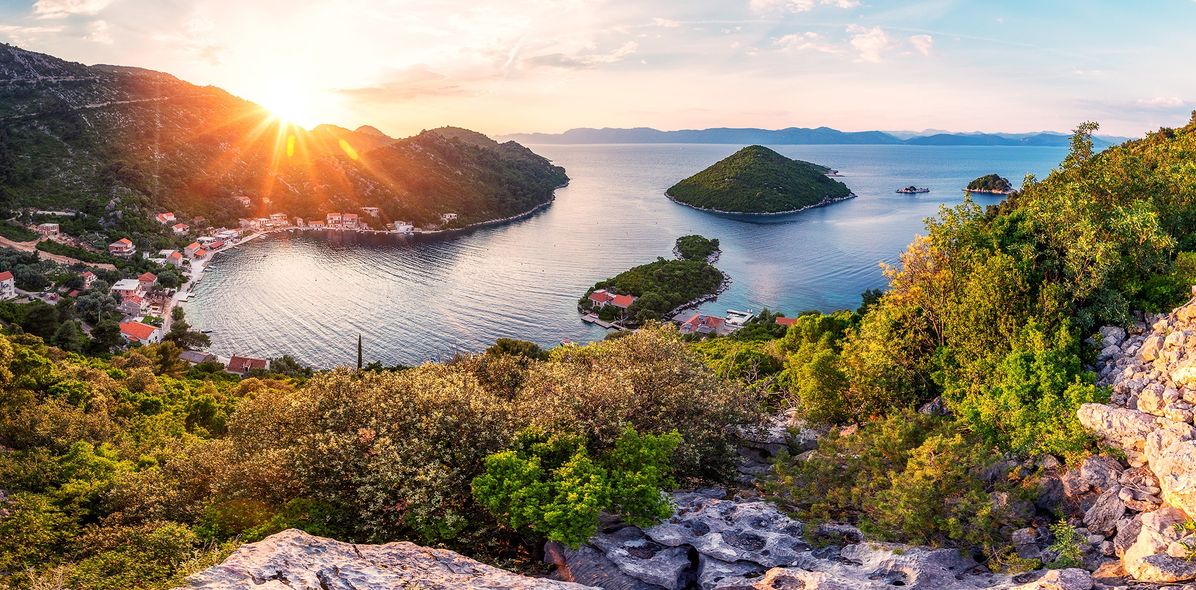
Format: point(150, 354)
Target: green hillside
point(120, 144)
point(756, 179)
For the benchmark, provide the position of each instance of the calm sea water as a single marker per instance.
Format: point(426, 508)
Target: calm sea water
point(427, 297)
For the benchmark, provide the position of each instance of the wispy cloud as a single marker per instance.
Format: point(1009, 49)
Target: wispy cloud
point(922, 43)
point(872, 44)
point(583, 60)
point(65, 8)
point(98, 32)
point(798, 5)
point(407, 84)
point(1162, 102)
point(808, 41)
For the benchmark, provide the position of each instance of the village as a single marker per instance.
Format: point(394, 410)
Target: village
point(148, 287)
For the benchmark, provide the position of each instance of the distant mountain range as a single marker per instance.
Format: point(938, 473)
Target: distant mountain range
point(800, 136)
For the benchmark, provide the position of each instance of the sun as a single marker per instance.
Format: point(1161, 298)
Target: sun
point(288, 103)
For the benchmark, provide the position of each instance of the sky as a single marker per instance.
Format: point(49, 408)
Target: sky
point(505, 66)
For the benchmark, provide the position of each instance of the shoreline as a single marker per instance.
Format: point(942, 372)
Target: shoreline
point(722, 287)
point(987, 191)
point(822, 203)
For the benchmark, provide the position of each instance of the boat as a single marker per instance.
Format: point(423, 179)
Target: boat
point(910, 190)
point(739, 318)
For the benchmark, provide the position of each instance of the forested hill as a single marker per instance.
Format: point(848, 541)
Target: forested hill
point(756, 179)
point(119, 143)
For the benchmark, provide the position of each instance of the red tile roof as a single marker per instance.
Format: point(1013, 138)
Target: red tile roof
point(122, 242)
point(698, 321)
point(601, 296)
point(6, 276)
point(786, 321)
point(137, 331)
point(175, 256)
point(242, 364)
point(200, 253)
point(148, 277)
point(193, 246)
point(623, 301)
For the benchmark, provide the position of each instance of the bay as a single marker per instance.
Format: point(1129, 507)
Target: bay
point(428, 297)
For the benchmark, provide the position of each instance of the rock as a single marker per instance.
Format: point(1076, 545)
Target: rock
point(1127, 533)
point(1050, 492)
point(587, 565)
point(1179, 411)
point(1158, 442)
point(1138, 500)
point(1123, 428)
point(1112, 335)
point(1068, 579)
point(639, 557)
point(1101, 473)
point(1183, 548)
point(880, 566)
point(1146, 560)
point(1176, 470)
point(1150, 348)
point(295, 560)
point(720, 575)
point(1150, 399)
point(1140, 478)
point(732, 531)
point(1026, 536)
point(1184, 374)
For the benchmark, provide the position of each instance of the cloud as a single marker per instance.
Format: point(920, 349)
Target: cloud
point(870, 43)
point(583, 60)
point(19, 30)
point(407, 84)
point(808, 41)
point(666, 23)
point(97, 32)
point(1161, 102)
point(923, 43)
point(65, 8)
point(798, 5)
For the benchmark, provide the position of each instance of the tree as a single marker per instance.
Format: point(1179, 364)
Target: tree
point(520, 348)
point(40, 319)
point(70, 337)
point(181, 333)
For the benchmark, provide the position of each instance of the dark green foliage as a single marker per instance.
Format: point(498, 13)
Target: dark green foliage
point(661, 286)
point(520, 348)
point(74, 252)
point(756, 179)
point(991, 182)
point(695, 247)
point(17, 233)
point(551, 486)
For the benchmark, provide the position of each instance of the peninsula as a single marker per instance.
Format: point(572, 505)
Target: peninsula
point(757, 180)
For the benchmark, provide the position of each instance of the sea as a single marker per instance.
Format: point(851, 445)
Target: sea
point(423, 298)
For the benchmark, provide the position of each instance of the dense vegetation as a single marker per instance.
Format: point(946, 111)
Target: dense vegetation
point(985, 316)
point(756, 179)
point(131, 472)
point(659, 287)
point(695, 247)
point(157, 143)
point(991, 183)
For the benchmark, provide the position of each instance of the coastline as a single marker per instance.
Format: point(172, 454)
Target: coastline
point(822, 203)
point(987, 191)
point(722, 287)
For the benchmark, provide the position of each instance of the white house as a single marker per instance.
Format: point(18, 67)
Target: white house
point(139, 332)
point(447, 217)
point(8, 286)
point(371, 211)
point(47, 229)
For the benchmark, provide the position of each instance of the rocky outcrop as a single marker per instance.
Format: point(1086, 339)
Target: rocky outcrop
point(294, 560)
point(1151, 370)
point(713, 542)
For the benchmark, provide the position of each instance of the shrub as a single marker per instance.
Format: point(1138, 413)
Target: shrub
point(552, 486)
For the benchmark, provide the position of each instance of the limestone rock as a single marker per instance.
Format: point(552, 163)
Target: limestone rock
point(1067, 579)
point(879, 566)
point(1147, 560)
point(1102, 517)
point(294, 560)
point(731, 531)
point(1112, 335)
point(1176, 470)
point(1101, 473)
point(1124, 428)
point(639, 557)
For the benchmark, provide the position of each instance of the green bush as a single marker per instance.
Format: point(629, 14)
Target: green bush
point(695, 247)
point(552, 486)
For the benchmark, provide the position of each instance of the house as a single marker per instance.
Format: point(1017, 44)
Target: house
point(147, 280)
point(243, 200)
point(8, 285)
point(244, 364)
point(349, 220)
point(278, 218)
point(250, 224)
point(205, 241)
point(403, 227)
point(47, 229)
point(227, 234)
point(782, 321)
point(131, 307)
point(122, 248)
point(702, 324)
point(89, 279)
point(334, 219)
point(371, 211)
point(140, 333)
point(448, 217)
point(174, 259)
point(315, 224)
point(191, 249)
point(180, 229)
point(128, 287)
point(622, 301)
point(165, 218)
point(601, 298)
point(200, 254)
point(196, 357)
